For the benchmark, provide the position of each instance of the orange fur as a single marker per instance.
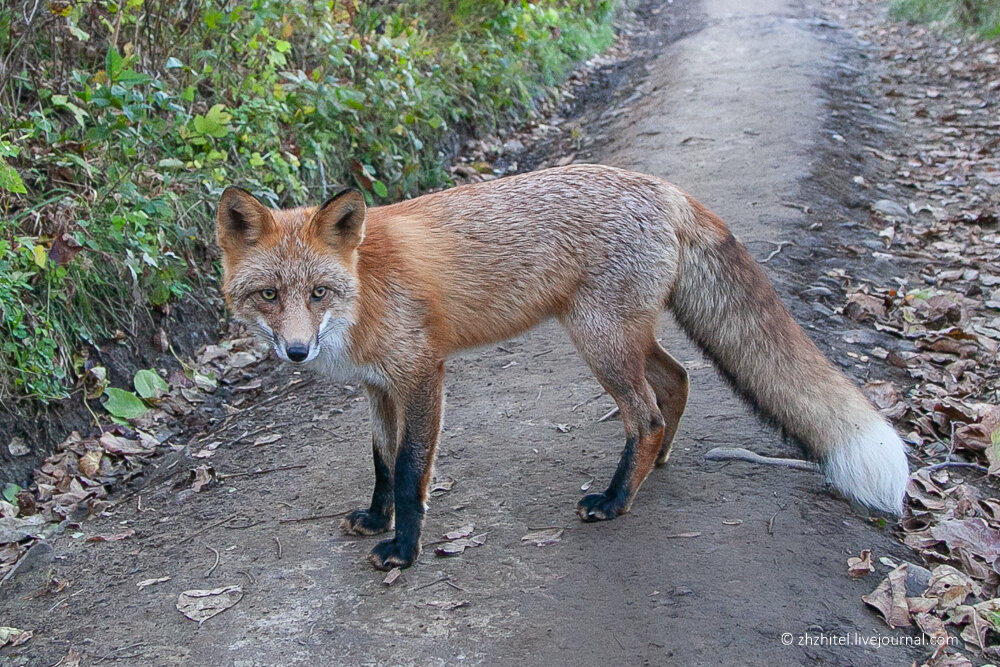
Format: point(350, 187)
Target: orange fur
point(382, 296)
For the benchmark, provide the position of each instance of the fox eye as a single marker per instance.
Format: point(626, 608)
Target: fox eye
point(318, 293)
point(268, 294)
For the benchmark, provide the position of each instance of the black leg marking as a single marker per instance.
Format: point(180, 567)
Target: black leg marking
point(614, 501)
point(378, 517)
point(403, 549)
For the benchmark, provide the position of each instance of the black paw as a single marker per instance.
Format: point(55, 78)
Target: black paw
point(388, 554)
point(598, 507)
point(363, 522)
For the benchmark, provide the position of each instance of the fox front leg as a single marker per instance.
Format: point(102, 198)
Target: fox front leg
point(385, 442)
point(412, 471)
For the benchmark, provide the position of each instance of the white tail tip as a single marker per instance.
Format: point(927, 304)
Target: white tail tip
point(870, 467)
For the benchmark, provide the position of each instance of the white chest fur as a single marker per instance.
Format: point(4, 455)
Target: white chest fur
point(334, 359)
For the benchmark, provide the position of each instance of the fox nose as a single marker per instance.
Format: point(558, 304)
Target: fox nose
point(297, 351)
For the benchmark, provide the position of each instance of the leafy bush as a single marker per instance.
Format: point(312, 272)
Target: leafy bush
point(982, 16)
point(122, 120)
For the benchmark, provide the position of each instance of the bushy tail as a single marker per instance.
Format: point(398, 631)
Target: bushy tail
point(723, 300)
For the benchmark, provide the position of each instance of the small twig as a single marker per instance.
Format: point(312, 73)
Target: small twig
point(278, 542)
point(208, 527)
point(540, 354)
point(259, 472)
point(958, 464)
point(318, 517)
point(781, 245)
point(770, 523)
point(428, 585)
point(741, 454)
point(215, 564)
point(584, 402)
point(107, 656)
point(611, 413)
point(790, 204)
point(455, 586)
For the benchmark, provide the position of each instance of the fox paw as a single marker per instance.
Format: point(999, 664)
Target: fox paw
point(364, 522)
point(388, 554)
point(598, 507)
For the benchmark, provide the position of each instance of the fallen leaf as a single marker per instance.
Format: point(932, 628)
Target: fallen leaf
point(15, 530)
point(152, 582)
point(266, 439)
point(112, 538)
point(889, 597)
point(90, 463)
point(71, 659)
point(201, 605)
point(860, 566)
point(114, 444)
point(202, 477)
point(974, 535)
point(394, 574)
point(464, 531)
point(949, 586)
point(441, 486)
point(14, 636)
point(458, 546)
point(542, 538)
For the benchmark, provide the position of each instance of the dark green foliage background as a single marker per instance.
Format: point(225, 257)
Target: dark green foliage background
point(122, 121)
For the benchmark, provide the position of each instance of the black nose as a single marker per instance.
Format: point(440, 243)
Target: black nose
point(297, 352)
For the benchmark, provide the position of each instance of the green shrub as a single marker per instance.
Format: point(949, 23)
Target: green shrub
point(983, 16)
point(122, 120)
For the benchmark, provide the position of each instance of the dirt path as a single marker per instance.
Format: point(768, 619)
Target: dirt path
point(734, 113)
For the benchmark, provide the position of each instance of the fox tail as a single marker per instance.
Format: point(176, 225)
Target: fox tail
point(726, 304)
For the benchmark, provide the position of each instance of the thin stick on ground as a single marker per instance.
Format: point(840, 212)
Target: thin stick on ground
point(208, 527)
point(741, 454)
point(317, 517)
point(218, 558)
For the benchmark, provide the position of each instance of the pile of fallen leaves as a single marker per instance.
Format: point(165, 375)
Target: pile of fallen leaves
point(73, 484)
point(936, 208)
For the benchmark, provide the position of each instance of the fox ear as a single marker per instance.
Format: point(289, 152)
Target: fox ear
point(241, 220)
point(340, 221)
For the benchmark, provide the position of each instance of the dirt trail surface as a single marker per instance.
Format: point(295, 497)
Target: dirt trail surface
point(717, 563)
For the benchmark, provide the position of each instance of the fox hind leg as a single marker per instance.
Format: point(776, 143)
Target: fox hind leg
point(670, 384)
point(615, 350)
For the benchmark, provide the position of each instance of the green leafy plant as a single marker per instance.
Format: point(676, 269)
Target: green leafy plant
point(122, 122)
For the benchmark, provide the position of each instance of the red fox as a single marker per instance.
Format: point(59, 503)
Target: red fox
point(381, 296)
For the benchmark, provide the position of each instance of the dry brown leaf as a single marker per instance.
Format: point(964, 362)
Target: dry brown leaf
point(14, 636)
point(463, 531)
point(112, 538)
point(394, 574)
point(71, 659)
point(90, 463)
point(203, 477)
point(441, 486)
point(889, 597)
point(458, 546)
point(201, 605)
point(542, 538)
point(860, 566)
point(145, 583)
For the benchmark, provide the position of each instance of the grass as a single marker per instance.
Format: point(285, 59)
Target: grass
point(122, 120)
point(979, 16)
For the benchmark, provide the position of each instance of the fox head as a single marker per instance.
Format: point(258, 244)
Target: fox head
point(291, 275)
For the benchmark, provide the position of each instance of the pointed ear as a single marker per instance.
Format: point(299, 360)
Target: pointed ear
point(340, 221)
point(242, 221)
